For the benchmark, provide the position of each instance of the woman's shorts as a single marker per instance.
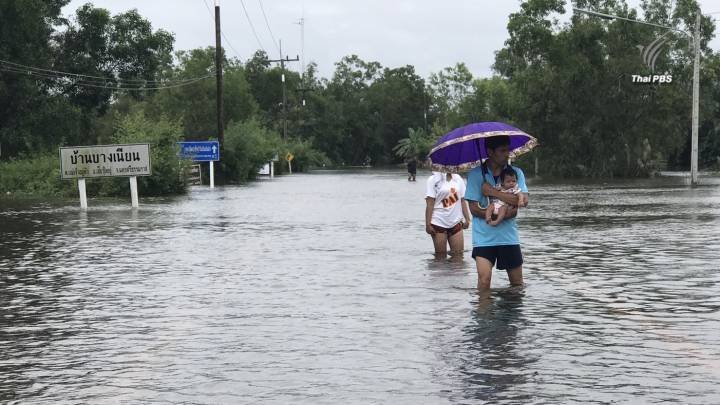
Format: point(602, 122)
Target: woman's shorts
point(449, 231)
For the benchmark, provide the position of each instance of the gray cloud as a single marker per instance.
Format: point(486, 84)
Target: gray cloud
point(428, 34)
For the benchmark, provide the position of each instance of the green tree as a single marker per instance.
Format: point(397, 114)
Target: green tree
point(448, 88)
point(415, 147)
point(162, 134)
point(195, 104)
point(397, 97)
point(248, 146)
point(572, 87)
point(43, 109)
point(123, 49)
point(28, 112)
point(349, 131)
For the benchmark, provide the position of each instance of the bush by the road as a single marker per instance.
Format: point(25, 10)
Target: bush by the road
point(167, 170)
point(39, 175)
point(249, 146)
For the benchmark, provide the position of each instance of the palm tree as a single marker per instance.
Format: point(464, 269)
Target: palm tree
point(415, 147)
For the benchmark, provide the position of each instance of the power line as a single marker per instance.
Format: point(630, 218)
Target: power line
point(102, 86)
point(97, 84)
point(89, 78)
point(212, 17)
point(252, 27)
point(267, 23)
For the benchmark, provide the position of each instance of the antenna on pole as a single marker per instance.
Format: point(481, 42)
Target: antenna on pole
point(301, 23)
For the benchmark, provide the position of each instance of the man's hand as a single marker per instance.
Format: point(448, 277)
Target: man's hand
point(476, 210)
point(466, 224)
point(488, 190)
point(429, 229)
point(523, 200)
point(507, 198)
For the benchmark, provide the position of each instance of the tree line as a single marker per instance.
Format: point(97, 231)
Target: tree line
point(567, 83)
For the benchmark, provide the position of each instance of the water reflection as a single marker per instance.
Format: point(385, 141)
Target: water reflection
point(491, 364)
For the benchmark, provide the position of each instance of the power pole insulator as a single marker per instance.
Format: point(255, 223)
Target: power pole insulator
point(284, 91)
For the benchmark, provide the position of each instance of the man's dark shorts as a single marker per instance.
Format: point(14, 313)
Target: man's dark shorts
point(507, 256)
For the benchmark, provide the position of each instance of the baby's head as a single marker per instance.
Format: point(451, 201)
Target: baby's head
point(508, 177)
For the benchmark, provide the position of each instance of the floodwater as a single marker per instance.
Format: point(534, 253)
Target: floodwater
point(321, 289)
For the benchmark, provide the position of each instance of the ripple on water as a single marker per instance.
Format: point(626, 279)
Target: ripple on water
point(320, 289)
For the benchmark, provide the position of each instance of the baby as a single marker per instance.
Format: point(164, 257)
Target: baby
point(497, 209)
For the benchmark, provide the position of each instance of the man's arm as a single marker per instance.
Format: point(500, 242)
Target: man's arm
point(476, 210)
point(507, 198)
point(466, 213)
point(512, 210)
point(523, 188)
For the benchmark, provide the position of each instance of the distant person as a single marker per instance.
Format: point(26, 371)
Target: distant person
point(412, 169)
point(508, 178)
point(446, 213)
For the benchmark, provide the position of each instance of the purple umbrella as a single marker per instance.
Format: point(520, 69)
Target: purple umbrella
point(464, 148)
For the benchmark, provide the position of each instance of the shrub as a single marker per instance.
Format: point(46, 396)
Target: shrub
point(167, 170)
point(248, 146)
point(37, 175)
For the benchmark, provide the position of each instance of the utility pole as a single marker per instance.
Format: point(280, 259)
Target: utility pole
point(302, 89)
point(425, 107)
point(695, 104)
point(219, 77)
point(284, 91)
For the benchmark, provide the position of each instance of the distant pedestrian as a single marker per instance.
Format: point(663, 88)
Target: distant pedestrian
point(412, 169)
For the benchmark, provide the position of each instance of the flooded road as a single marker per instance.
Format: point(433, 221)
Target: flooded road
point(321, 289)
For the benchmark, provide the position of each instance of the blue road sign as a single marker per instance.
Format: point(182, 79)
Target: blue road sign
point(203, 151)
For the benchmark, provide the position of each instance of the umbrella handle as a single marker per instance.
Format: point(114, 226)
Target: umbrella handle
point(477, 144)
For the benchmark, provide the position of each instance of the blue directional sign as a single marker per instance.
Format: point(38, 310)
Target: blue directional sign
point(203, 151)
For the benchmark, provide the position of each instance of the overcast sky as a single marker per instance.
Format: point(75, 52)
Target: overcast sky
point(429, 34)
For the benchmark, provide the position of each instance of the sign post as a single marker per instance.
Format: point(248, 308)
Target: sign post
point(134, 192)
point(272, 165)
point(289, 157)
point(83, 193)
point(202, 151)
point(82, 162)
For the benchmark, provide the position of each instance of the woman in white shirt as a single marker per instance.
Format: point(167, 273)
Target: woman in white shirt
point(446, 213)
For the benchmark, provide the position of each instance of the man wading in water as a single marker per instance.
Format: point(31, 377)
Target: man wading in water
point(495, 244)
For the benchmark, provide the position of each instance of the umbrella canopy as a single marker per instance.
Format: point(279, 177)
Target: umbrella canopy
point(464, 148)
